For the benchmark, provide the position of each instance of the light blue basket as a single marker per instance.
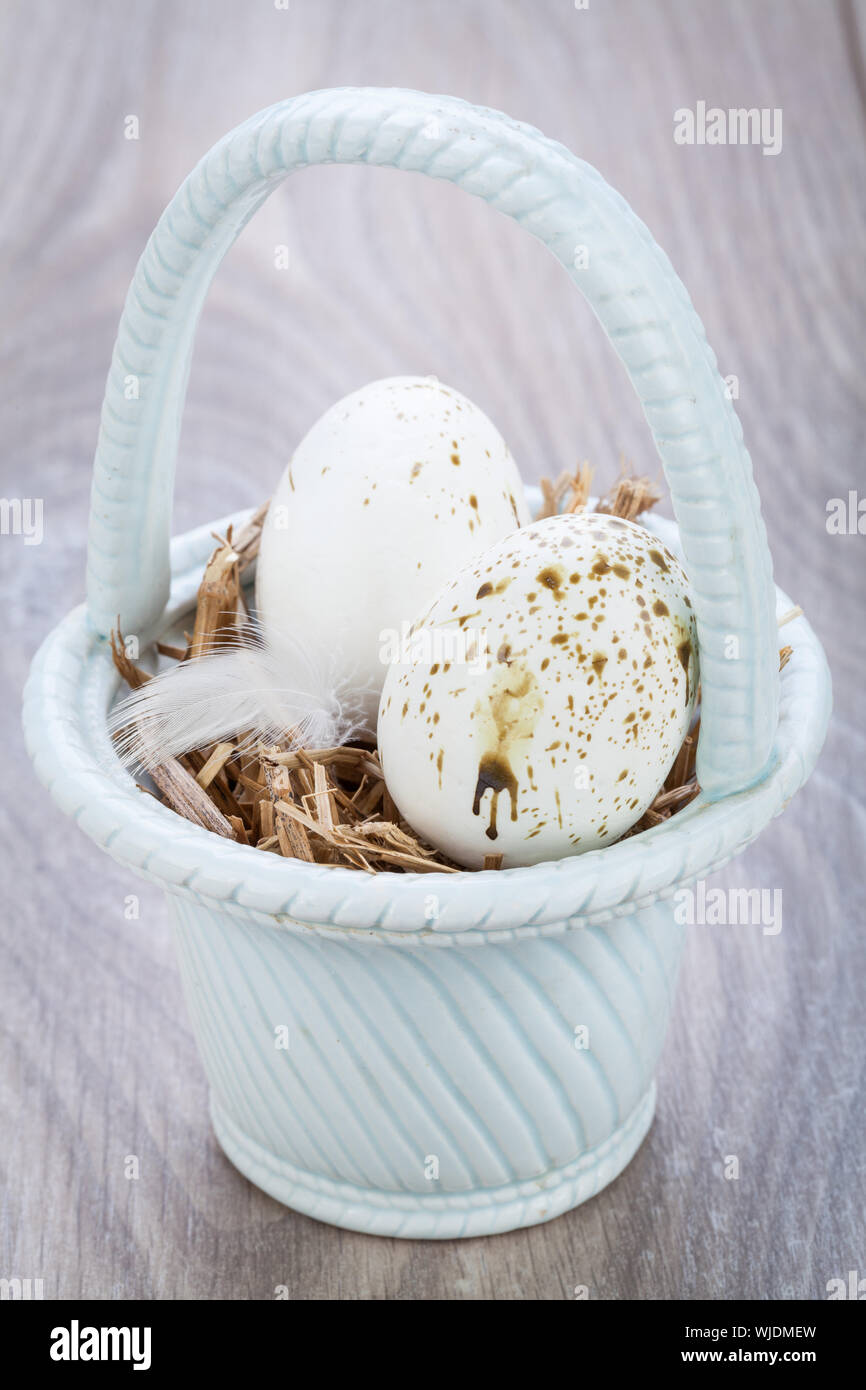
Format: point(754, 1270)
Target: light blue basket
point(431, 1086)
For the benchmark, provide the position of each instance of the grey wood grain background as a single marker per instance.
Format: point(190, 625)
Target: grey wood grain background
point(765, 1057)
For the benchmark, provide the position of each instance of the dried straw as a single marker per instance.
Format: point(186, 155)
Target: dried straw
point(330, 806)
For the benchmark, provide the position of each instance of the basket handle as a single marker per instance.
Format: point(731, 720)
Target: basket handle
point(611, 257)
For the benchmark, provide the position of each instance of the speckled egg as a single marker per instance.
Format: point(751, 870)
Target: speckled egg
point(551, 686)
point(390, 492)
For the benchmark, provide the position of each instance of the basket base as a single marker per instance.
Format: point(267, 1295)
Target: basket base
point(437, 1216)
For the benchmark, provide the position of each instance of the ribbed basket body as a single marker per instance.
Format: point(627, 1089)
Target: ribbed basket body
point(421, 1086)
point(429, 1056)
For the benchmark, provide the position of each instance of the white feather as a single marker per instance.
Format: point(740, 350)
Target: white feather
point(267, 690)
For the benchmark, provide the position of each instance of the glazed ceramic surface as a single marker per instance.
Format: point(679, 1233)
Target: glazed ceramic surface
point(429, 1055)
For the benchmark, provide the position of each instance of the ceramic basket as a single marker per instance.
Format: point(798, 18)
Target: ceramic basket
point(436, 1081)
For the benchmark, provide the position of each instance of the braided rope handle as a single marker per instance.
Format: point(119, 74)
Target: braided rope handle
point(626, 278)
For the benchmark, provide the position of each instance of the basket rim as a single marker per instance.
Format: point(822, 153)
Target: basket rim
point(71, 684)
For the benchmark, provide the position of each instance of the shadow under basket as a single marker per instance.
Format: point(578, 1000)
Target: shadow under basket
point(429, 1055)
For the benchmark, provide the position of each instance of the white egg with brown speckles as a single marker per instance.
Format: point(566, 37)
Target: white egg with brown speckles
point(551, 685)
point(391, 491)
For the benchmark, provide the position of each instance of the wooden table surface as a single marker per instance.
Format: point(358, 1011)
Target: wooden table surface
point(765, 1055)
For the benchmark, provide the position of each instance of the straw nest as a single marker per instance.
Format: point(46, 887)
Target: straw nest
point(331, 806)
